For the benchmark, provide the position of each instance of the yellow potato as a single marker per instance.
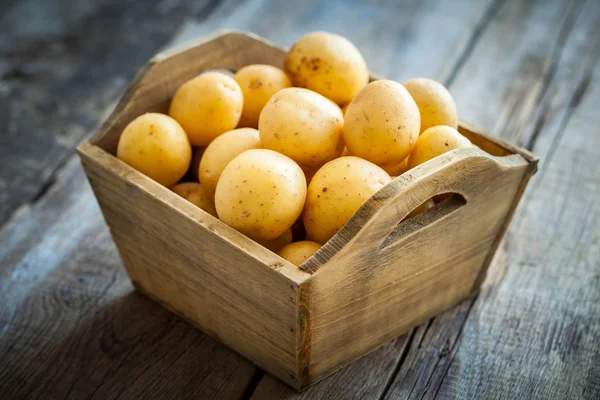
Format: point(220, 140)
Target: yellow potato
point(207, 106)
point(329, 64)
point(336, 191)
point(221, 151)
point(298, 252)
point(303, 125)
point(261, 193)
point(197, 153)
point(157, 146)
point(195, 194)
point(275, 244)
point(258, 83)
point(436, 105)
point(434, 142)
point(396, 169)
point(345, 152)
point(421, 208)
point(382, 123)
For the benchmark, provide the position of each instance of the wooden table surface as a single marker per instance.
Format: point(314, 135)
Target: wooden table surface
point(73, 327)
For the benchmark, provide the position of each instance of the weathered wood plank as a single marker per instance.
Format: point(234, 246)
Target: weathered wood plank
point(538, 331)
point(71, 325)
point(425, 371)
point(61, 64)
point(364, 379)
point(399, 39)
point(75, 78)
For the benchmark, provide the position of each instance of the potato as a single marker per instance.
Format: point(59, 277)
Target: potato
point(382, 123)
point(397, 169)
point(298, 252)
point(303, 125)
point(157, 146)
point(421, 208)
point(221, 151)
point(207, 106)
point(329, 64)
point(258, 83)
point(345, 152)
point(195, 194)
point(434, 142)
point(197, 153)
point(275, 244)
point(336, 191)
point(260, 193)
point(436, 105)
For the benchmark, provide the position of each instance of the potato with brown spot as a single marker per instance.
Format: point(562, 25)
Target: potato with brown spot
point(261, 193)
point(434, 142)
point(259, 83)
point(336, 192)
point(329, 64)
point(382, 123)
point(195, 194)
point(298, 252)
point(221, 151)
point(207, 106)
point(436, 105)
point(303, 125)
point(157, 146)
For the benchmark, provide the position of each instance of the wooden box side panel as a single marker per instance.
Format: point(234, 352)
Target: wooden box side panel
point(386, 281)
point(230, 295)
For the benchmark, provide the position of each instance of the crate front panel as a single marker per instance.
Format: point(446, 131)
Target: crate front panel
point(194, 272)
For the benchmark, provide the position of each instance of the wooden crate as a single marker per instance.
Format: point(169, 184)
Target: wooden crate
point(373, 281)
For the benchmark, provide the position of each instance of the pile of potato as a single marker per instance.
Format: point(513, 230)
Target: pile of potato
point(253, 141)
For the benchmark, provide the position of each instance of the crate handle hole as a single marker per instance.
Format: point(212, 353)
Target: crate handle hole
point(445, 204)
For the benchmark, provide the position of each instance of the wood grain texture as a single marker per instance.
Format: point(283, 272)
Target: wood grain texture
point(183, 257)
point(366, 378)
point(568, 69)
point(371, 289)
point(62, 63)
point(359, 261)
point(553, 271)
point(541, 59)
point(71, 325)
point(414, 38)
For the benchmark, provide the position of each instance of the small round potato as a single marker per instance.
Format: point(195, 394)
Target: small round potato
point(397, 169)
point(195, 194)
point(261, 193)
point(298, 252)
point(157, 146)
point(275, 244)
point(382, 123)
point(436, 105)
point(336, 191)
point(207, 106)
point(329, 64)
point(259, 83)
point(221, 151)
point(303, 125)
point(434, 142)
